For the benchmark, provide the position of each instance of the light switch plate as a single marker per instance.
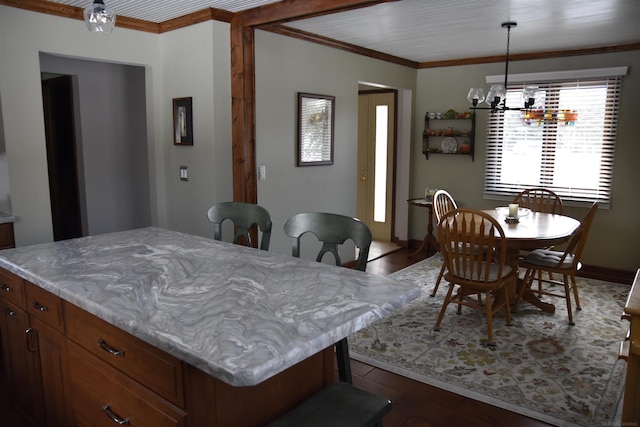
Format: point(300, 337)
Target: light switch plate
point(184, 174)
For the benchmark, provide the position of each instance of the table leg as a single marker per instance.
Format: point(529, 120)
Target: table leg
point(527, 294)
point(429, 241)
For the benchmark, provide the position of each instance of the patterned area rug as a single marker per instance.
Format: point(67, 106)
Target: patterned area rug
point(540, 367)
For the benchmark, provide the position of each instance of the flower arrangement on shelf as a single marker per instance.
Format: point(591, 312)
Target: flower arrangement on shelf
point(566, 117)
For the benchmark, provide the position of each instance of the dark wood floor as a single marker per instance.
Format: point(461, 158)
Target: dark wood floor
point(419, 405)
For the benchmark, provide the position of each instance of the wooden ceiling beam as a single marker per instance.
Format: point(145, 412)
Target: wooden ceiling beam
point(293, 10)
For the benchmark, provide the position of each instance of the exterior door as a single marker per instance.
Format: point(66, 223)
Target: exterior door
point(376, 148)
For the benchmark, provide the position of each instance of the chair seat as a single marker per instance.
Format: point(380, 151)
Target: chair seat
point(548, 258)
point(493, 272)
point(338, 405)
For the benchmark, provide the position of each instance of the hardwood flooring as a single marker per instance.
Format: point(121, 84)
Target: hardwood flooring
point(419, 405)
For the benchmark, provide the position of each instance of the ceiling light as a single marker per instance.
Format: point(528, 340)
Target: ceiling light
point(99, 18)
point(496, 97)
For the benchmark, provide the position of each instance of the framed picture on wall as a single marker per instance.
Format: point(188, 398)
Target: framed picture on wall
point(182, 121)
point(316, 119)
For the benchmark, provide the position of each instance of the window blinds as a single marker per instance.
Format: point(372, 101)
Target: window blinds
point(565, 143)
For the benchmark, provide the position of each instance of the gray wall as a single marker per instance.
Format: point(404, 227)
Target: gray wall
point(284, 67)
point(195, 62)
point(112, 142)
point(615, 232)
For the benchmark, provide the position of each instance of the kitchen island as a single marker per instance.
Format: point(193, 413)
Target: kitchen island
point(238, 322)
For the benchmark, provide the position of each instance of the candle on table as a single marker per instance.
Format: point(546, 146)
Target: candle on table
point(513, 210)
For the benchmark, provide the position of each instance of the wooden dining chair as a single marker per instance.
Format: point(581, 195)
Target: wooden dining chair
point(244, 217)
point(540, 200)
point(443, 202)
point(565, 263)
point(332, 230)
point(474, 248)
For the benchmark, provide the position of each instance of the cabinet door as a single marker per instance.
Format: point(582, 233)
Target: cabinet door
point(52, 347)
point(22, 363)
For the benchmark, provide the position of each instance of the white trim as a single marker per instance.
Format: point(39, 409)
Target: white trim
point(560, 75)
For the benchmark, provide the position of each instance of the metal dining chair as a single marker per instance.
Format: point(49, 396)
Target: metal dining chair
point(332, 230)
point(341, 403)
point(244, 217)
point(566, 263)
point(474, 248)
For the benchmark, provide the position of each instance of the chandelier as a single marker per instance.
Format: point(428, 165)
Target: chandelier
point(99, 18)
point(496, 98)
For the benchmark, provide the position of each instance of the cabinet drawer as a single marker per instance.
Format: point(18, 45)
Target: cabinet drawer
point(12, 288)
point(157, 370)
point(44, 305)
point(103, 396)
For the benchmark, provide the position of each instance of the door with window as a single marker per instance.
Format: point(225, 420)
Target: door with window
point(376, 143)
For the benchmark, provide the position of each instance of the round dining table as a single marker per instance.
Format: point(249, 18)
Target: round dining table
point(533, 230)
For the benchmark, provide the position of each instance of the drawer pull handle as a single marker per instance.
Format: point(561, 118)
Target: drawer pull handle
point(9, 312)
point(42, 308)
point(114, 417)
point(6, 288)
point(106, 347)
point(30, 336)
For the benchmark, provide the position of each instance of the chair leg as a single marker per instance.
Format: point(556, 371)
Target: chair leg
point(506, 304)
point(527, 280)
point(344, 365)
point(435, 288)
point(567, 294)
point(447, 299)
point(489, 309)
point(574, 285)
point(540, 283)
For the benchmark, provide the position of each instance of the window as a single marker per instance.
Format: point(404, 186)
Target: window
point(565, 143)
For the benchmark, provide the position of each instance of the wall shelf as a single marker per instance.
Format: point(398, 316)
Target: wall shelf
point(437, 131)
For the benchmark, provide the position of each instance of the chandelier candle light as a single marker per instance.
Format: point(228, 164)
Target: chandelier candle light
point(496, 97)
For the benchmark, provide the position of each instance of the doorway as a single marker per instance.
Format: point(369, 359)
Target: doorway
point(376, 161)
point(64, 190)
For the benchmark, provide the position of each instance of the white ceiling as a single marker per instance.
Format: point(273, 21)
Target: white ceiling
point(434, 30)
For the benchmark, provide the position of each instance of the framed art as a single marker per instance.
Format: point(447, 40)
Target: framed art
point(316, 117)
point(182, 121)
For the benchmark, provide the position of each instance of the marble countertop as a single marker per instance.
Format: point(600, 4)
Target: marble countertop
point(5, 218)
point(240, 314)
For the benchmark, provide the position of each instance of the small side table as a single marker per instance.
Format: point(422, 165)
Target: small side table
point(429, 241)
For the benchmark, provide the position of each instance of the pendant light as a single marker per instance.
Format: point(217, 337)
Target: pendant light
point(99, 18)
point(496, 98)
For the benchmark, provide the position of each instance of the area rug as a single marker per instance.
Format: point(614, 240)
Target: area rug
point(540, 367)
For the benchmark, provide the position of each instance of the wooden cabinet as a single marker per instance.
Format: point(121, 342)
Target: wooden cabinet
point(34, 352)
point(6, 235)
point(452, 135)
point(630, 351)
point(104, 396)
point(157, 370)
point(66, 367)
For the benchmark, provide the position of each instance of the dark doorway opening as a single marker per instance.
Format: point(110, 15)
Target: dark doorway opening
point(57, 94)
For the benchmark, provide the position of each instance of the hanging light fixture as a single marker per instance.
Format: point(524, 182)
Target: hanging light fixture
point(496, 98)
point(99, 18)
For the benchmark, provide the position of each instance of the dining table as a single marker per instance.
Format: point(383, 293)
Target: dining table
point(533, 230)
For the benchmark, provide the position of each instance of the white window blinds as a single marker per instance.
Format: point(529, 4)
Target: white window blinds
point(565, 143)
